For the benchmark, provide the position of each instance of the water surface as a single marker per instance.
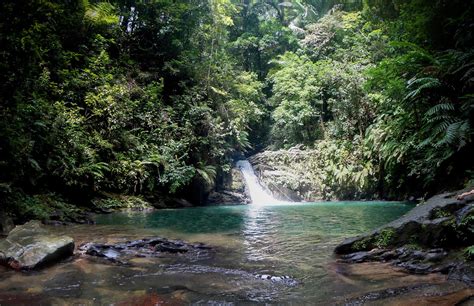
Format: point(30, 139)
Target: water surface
point(296, 240)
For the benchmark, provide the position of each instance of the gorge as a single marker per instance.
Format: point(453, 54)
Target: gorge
point(236, 152)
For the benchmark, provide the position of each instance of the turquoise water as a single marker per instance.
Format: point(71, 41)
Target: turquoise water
point(295, 240)
point(330, 218)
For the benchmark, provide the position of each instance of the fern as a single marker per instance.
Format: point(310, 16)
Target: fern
point(102, 13)
point(440, 107)
point(207, 172)
point(417, 86)
point(469, 252)
point(456, 134)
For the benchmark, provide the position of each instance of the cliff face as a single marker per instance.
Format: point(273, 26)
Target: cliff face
point(299, 174)
point(286, 173)
point(234, 191)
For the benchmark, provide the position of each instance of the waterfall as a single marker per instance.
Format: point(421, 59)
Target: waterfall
point(258, 194)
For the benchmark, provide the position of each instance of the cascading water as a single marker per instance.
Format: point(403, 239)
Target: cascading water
point(258, 194)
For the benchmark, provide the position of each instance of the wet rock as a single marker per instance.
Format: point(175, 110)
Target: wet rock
point(24, 298)
point(463, 272)
point(424, 294)
point(433, 225)
point(234, 190)
point(66, 284)
point(200, 269)
point(149, 247)
point(31, 246)
point(357, 257)
point(285, 173)
point(413, 261)
point(171, 247)
point(416, 267)
point(283, 279)
point(382, 294)
point(438, 228)
point(227, 198)
point(436, 255)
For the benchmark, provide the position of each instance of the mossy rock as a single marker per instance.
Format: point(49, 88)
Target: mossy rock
point(443, 221)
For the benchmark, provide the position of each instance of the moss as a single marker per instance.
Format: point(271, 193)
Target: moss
point(440, 213)
point(42, 207)
point(116, 201)
point(467, 221)
point(385, 237)
point(363, 244)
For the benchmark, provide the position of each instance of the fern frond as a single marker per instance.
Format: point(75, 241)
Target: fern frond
point(207, 172)
point(419, 85)
point(102, 13)
point(440, 107)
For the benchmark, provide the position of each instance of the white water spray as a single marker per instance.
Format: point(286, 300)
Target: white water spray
point(258, 194)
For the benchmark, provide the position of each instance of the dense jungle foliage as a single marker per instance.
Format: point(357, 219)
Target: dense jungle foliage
point(156, 98)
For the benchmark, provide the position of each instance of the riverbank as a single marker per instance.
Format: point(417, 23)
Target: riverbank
point(54, 209)
point(434, 237)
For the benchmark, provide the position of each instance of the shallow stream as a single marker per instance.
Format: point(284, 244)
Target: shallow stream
point(295, 240)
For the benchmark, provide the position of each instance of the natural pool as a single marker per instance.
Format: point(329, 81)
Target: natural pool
point(296, 240)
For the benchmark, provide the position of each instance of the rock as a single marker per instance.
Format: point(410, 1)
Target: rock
point(463, 272)
point(431, 225)
point(227, 198)
point(416, 267)
point(357, 257)
point(430, 238)
point(149, 247)
point(31, 246)
point(436, 255)
point(419, 294)
point(234, 190)
point(283, 279)
point(171, 247)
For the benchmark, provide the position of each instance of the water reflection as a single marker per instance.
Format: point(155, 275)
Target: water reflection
point(255, 233)
point(295, 240)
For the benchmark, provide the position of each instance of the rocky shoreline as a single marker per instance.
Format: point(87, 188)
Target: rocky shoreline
point(431, 238)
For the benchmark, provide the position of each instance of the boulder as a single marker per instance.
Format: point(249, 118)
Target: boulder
point(232, 192)
point(31, 246)
point(227, 198)
point(430, 238)
point(443, 221)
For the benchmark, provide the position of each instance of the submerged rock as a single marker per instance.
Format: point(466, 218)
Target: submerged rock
point(200, 269)
point(422, 240)
point(421, 294)
point(149, 247)
point(282, 279)
point(31, 246)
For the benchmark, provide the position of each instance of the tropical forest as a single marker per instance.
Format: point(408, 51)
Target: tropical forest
point(227, 152)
